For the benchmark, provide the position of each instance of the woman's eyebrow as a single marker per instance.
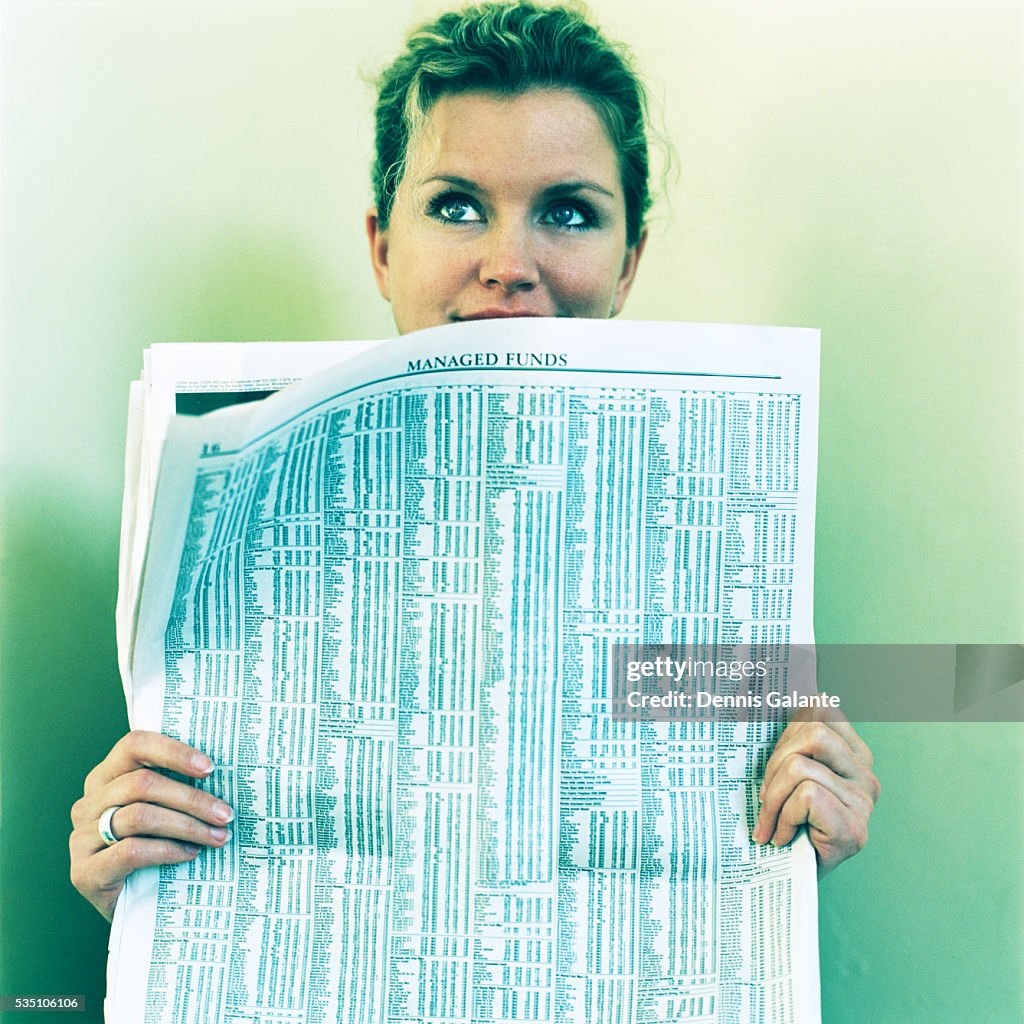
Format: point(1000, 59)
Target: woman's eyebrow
point(562, 187)
point(455, 181)
point(558, 188)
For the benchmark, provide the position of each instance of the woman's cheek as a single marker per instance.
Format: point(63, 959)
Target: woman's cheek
point(585, 287)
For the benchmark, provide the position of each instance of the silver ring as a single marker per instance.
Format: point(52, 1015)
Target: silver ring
point(106, 825)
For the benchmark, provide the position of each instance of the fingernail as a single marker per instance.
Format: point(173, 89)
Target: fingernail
point(221, 835)
point(202, 763)
point(757, 833)
point(191, 850)
point(222, 813)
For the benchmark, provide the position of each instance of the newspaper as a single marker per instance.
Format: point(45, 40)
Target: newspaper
point(384, 600)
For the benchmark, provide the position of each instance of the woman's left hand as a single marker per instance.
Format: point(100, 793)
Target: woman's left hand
point(820, 775)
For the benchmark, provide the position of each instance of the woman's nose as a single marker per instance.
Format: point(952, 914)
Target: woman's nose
point(508, 260)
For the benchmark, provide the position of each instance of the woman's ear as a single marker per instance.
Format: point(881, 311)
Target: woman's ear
point(629, 265)
point(378, 237)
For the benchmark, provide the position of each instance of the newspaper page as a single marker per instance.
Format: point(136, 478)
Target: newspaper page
point(190, 379)
point(385, 601)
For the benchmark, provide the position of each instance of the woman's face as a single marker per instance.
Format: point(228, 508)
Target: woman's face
point(508, 207)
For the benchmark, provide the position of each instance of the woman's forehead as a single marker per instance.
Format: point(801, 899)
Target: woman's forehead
point(534, 136)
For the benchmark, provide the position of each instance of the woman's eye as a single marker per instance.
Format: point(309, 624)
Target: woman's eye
point(567, 215)
point(573, 215)
point(455, 209)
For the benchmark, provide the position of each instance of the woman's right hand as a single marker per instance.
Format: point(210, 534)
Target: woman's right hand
point(158, 821)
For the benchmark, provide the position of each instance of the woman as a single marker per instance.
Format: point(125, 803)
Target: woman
point(511, 179)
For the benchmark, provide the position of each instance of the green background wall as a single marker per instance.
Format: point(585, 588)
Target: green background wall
point(198, 171)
